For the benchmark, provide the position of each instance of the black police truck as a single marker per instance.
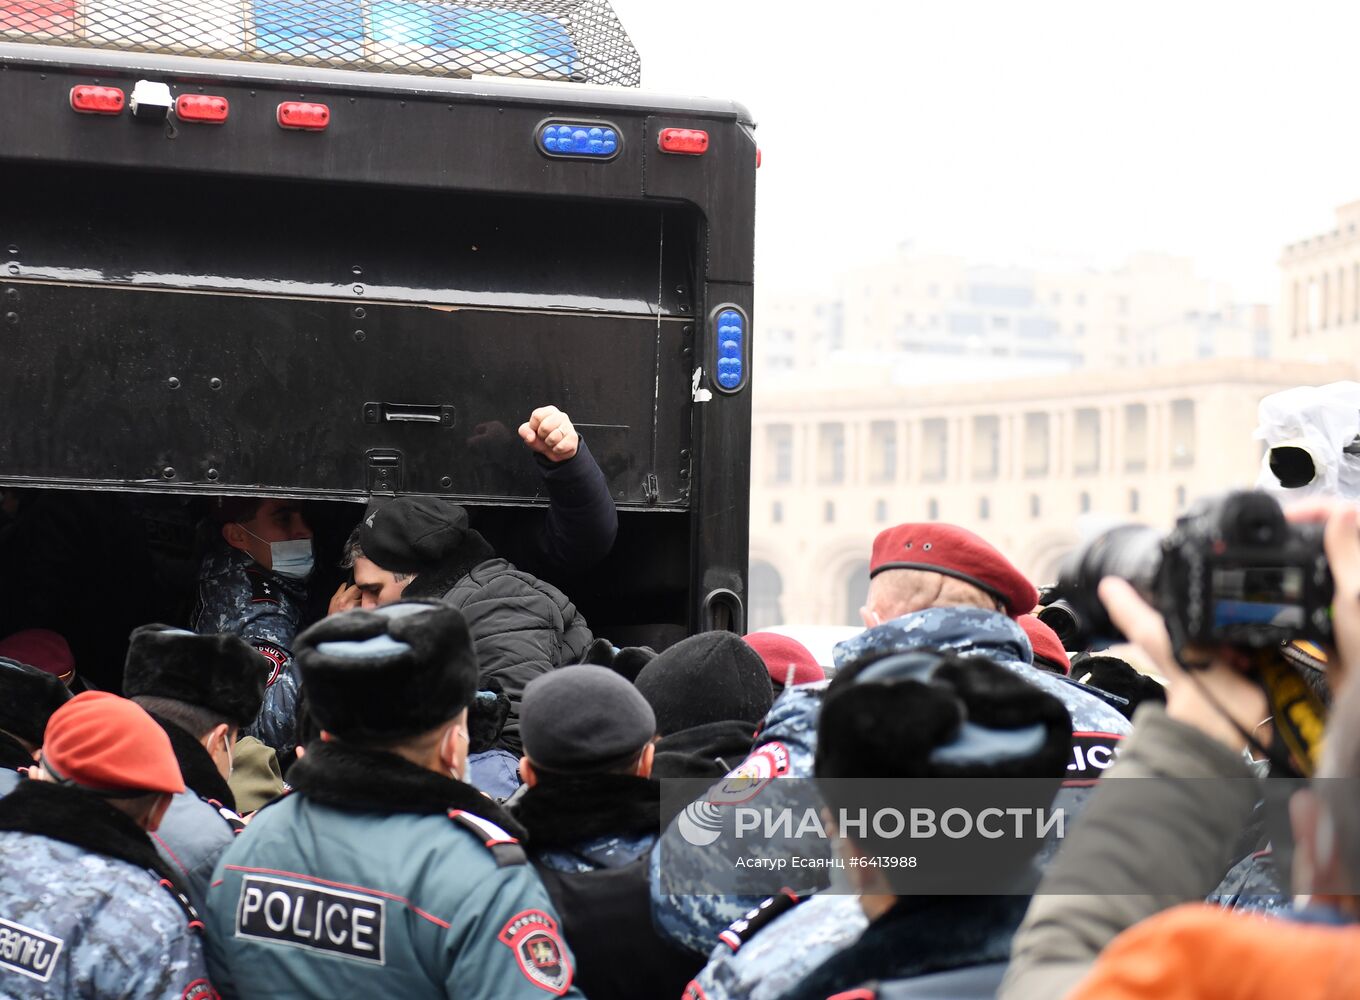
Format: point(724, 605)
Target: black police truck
point(329, 249)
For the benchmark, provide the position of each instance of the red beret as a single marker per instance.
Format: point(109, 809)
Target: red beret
point(41, 648)
point(1045, 641)
point(781, 654)
point(105, 743)
point(947, 549)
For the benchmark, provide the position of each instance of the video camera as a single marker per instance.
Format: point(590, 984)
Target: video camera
point(1233, 571)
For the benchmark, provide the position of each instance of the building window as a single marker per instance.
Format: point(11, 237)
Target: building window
point(882, 451)
point(932, 510)
point(829, 512)
point(777, 513)
point(935, 449)
point(779, 443)
point(984, 509)
point(1135, 437)
point(880, 511)
point(1133, 501)
point(1086, 442)
point(1084, 502)
point(986, 447)
point(1035, 505)
point(1183, 433)
point(1324, 302)
point(831, 454)
point(1180, 498)
point(764, 589)
point(1036, 444)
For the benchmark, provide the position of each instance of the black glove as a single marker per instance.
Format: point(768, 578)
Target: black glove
point(626, 662)
point(486, 716)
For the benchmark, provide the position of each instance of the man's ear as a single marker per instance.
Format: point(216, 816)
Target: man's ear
point(526, 772)
point(234, 535)
point(218, 735)
point(870, 618)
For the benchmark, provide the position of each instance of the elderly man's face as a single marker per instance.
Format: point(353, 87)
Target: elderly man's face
point(376, 585)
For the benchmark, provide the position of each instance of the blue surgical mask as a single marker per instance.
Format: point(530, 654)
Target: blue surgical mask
point(292, 559)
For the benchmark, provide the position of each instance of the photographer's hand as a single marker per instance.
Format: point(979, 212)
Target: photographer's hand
point(1211, 701)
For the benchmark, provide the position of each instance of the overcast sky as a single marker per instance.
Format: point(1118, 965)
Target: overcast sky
point(1008, 131)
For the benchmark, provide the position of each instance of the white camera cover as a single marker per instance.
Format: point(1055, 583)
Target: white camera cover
point(1322, 421)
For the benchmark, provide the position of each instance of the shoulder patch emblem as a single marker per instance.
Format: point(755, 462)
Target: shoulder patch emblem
point(27, 951)
point(277, 657)
point(261, 590)
point(694, 991)
point(199, 989)
point(541, 956)
point(766, 762)
point(1092, 754)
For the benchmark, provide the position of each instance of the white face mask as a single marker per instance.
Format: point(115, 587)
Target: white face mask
point(293, 559)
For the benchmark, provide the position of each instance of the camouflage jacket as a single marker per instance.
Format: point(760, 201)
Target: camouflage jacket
point(75, 922)
point(239, 597)
point(750, 964)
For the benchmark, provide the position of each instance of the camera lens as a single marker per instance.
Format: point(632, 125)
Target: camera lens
point(1063, 619)
point(1292, 466)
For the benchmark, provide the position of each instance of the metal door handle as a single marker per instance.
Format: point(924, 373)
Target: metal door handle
point(408, 413)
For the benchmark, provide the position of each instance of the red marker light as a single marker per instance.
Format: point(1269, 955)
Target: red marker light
point(758, 157)
point(89, 100)
point(687, 141)
point(301, 115)
point(202, 108)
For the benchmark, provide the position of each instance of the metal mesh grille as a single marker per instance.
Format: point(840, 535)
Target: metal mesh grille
point(577, 40)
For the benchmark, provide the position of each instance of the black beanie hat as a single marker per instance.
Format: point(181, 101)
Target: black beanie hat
point(926, 714)
point(390, 673)
point(28, 697)
point(710, 677)
point(583, 717)
point(417, 534)
point(222, 673)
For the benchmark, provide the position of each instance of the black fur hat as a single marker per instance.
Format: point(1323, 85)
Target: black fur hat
point(387, 674)
point(926, 714)
point(28, 697)
point(221, 673)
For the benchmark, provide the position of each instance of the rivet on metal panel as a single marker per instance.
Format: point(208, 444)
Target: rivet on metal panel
point(212, 475)
point(358, 289)
point(214, 383)
point(356, 270)
point(14, 250)
point(446, 482)
point(684, 473)
point(168, 472)
point(12, 318)
point(172, 382)
point(684, 454)
point(359, 336)
point(14, 269)
point(360, 312)
point(12, 294)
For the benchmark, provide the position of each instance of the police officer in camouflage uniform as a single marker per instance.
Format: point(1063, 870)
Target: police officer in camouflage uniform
point(87, 907)
point(28, 697)
point(932, 586)
point(383, 874)
point(253, 584)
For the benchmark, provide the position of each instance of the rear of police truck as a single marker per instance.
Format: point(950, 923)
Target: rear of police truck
point(334, 249)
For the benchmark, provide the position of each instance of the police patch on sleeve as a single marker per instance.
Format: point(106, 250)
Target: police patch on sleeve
point(532, 936)
point(28, 952)
point(1092, 753)
point(320, 919)
point(274, 655)
point(199, 989)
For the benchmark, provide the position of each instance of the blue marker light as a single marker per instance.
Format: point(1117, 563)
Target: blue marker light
point(731, 360)
point(579, 139)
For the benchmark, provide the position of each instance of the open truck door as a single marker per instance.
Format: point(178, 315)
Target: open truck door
point(314, 277)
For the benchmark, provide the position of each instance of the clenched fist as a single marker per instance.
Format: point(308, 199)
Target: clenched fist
point(549, 432)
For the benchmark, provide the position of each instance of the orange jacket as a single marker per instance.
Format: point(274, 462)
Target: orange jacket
point(1196, 951)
